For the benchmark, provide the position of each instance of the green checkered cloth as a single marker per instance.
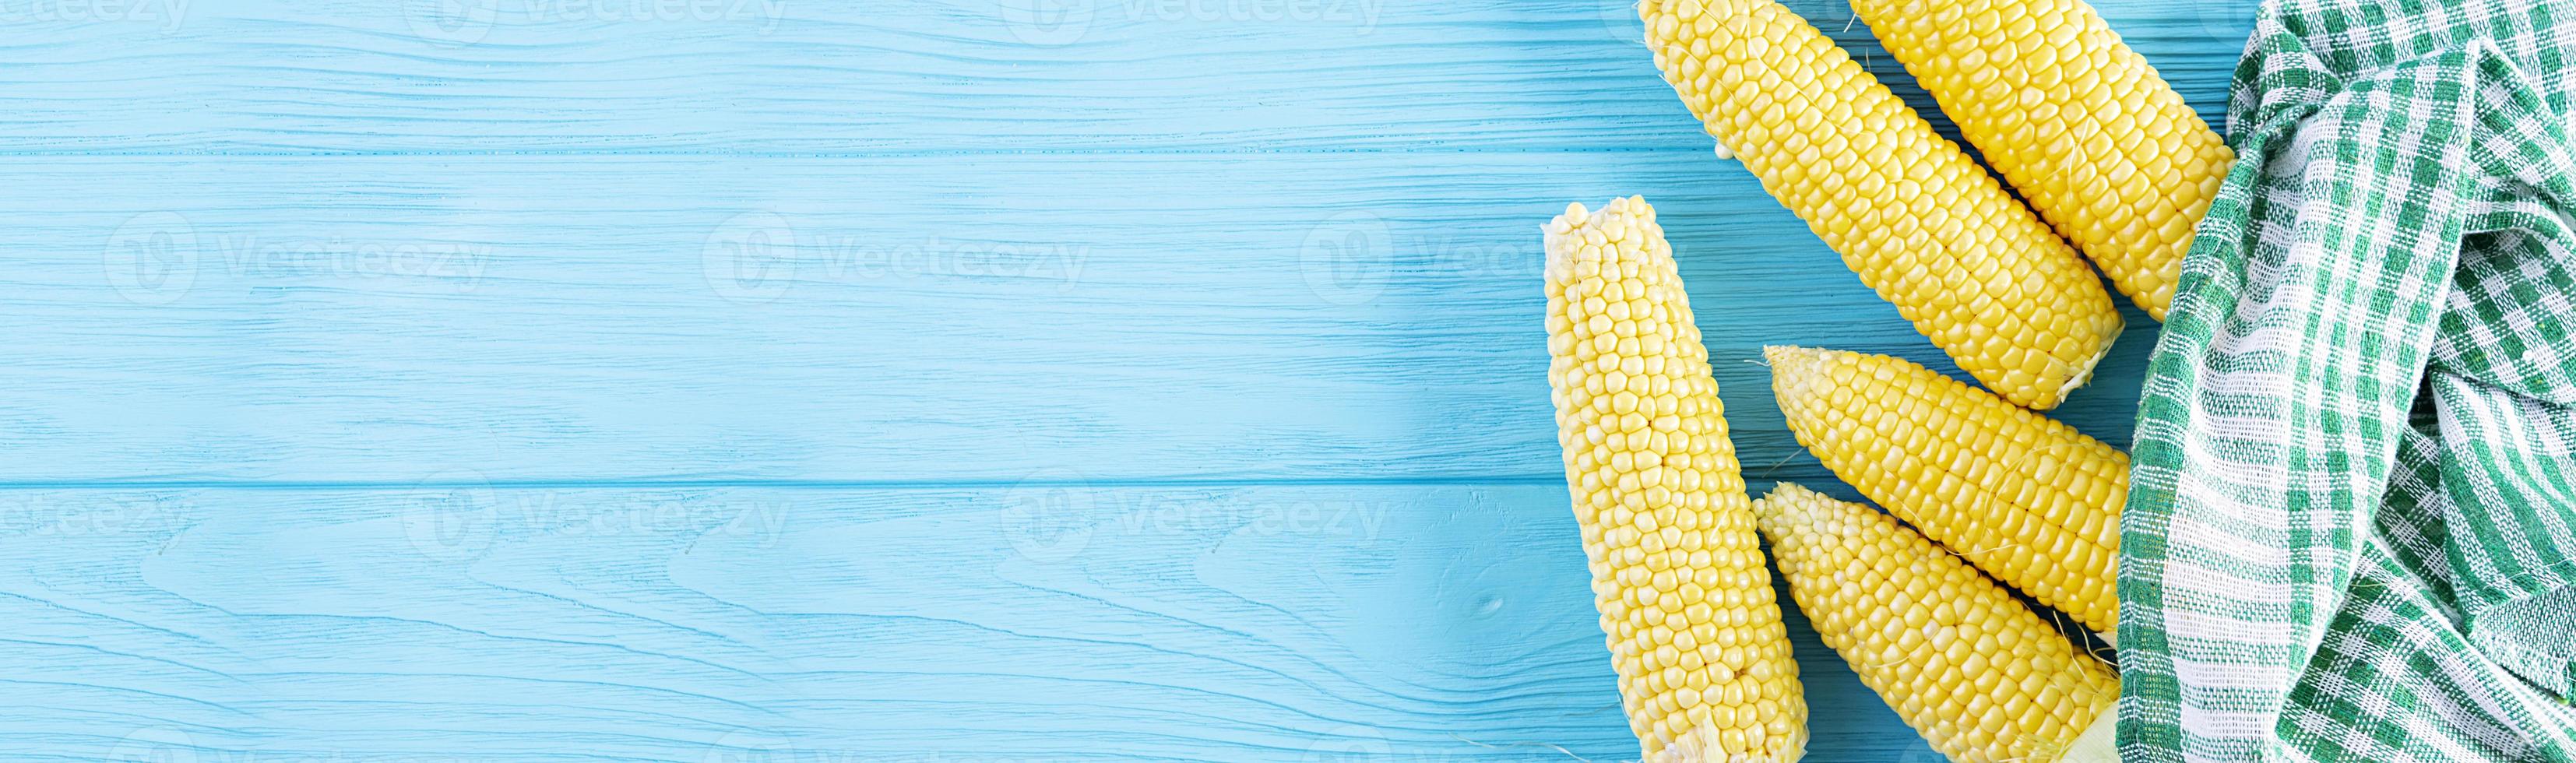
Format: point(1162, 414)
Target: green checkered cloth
point(2352, 533)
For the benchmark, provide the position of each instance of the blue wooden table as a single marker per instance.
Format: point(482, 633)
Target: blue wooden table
point(778, 380)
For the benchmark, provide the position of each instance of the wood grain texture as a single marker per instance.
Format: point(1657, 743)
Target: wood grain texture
point(1026, 622)
point(1360, 316)
point(789, 381)
point(921, 76)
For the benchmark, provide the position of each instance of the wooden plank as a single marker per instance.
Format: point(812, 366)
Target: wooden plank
point(927, 76)
point(1164, 385)
point(1019, 622)
point(377, 320)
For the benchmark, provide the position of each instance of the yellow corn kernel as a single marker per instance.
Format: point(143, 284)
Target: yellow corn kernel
point(2078, 122)
point(1977, 673)
point(2025, 498)
point(1922, 224)
point(1686, 604)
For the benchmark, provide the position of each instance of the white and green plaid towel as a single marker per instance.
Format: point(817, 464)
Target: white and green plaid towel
point(2352, 534)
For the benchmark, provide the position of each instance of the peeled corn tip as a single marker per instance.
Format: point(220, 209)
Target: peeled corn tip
point(2084, 374)
point(1792, 369)
point(1779, 508)
point(1702, 745)
point(1626, 218)
point(1785, 506)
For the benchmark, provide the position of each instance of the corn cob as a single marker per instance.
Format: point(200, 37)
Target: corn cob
point(2029, 500)
point(1977, 673)
point(2078, 122)
point(1923, 225)
point(1686, 604)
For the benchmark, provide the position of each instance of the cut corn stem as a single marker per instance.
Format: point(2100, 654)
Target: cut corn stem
point(1686, 603)
point(2027, 499)
point(1923, 225)
point(2079, 123)
point(1972, 669)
